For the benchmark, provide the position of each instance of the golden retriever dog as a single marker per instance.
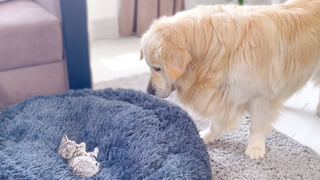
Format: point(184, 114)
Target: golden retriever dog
point(224, 61)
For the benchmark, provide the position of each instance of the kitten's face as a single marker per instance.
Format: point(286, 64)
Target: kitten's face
point(68, 149)
point(68, 152)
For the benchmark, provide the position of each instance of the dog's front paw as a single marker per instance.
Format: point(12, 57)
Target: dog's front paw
point(207, 136)
point(255, 152)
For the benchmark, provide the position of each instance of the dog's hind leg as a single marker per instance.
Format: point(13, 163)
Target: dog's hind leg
point(263, 113)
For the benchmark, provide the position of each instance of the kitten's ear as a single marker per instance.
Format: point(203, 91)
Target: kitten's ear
point(64, 139)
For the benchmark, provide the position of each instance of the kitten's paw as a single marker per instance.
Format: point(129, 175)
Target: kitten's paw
point(255, 152)
point(207, 136)
point(96, 150)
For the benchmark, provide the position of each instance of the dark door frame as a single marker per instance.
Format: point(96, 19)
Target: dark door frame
point(76, 47)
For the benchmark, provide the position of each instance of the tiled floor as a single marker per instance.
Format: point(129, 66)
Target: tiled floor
point(111, 59)
point(300, 121)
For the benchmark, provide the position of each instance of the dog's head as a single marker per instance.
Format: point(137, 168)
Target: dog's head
point(164, 50)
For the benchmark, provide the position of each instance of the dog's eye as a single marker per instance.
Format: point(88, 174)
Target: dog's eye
point(156, 69)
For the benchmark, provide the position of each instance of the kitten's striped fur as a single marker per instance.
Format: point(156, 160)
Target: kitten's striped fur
point(82, 163)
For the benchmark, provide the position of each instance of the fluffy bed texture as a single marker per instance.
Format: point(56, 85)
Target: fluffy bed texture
point(285, 158)
point(139, 137)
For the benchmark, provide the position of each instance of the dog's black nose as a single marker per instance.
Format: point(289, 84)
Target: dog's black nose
point(150, 90)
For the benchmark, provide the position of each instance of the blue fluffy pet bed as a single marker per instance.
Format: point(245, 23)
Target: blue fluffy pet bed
point(139, 137)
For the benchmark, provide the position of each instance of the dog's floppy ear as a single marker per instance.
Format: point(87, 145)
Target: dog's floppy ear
point(175, 61)
point(141, 54)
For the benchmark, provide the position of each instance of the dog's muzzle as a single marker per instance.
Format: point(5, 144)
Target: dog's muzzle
point(151, 90)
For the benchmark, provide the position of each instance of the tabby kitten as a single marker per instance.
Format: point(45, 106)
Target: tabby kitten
point(82, 163)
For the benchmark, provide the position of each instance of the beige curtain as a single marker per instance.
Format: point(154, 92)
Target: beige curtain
point(137, 15)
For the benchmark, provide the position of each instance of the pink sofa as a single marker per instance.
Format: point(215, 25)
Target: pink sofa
point(31, 50)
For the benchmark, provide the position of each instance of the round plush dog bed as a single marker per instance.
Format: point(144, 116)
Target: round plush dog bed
point(139, 137)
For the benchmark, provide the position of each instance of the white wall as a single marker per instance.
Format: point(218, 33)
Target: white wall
point(103, 19)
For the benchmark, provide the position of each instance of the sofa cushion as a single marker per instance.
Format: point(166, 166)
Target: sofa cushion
point(52, 6)
point(29, 35)
point(19, 84)
point(1, 1)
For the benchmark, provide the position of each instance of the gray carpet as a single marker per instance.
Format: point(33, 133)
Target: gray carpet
point(285, 158)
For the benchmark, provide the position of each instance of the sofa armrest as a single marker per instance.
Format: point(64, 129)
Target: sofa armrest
point(53, 6)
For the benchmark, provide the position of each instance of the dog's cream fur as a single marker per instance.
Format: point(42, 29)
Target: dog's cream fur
point(225, 60)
